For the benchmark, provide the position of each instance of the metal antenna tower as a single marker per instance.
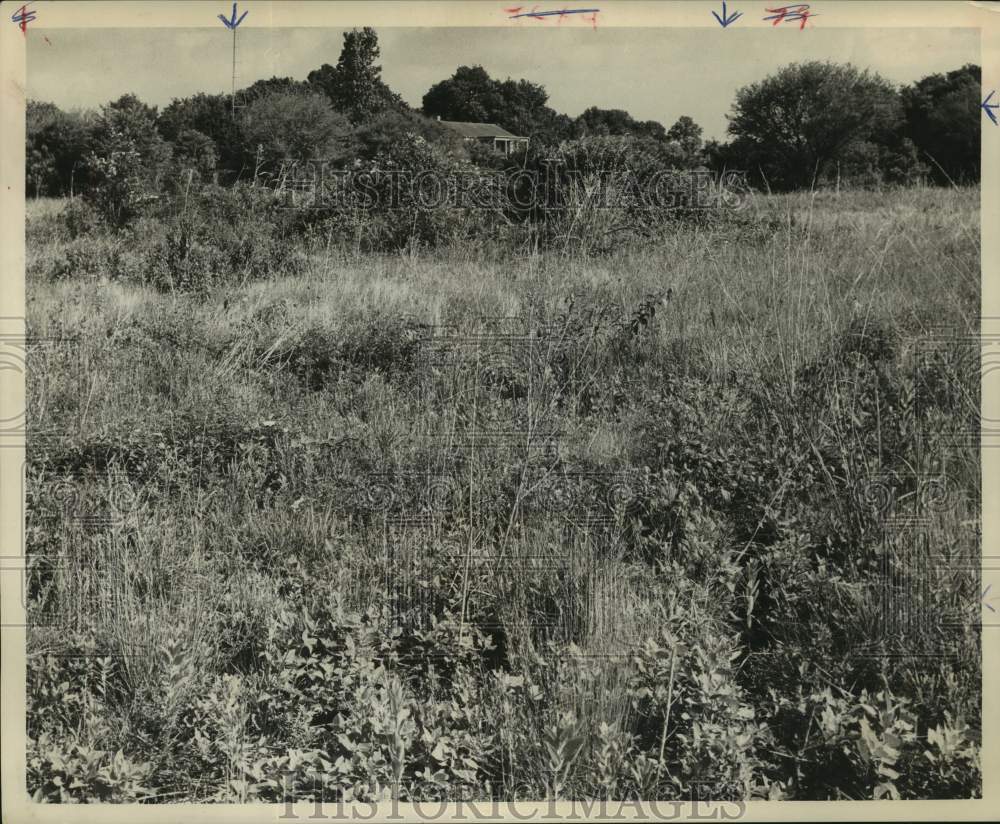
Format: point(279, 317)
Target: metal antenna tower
point(233, 24)
point(233, 98)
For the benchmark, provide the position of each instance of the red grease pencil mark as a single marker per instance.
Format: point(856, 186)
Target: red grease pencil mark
point(22, 17)
point(790, 14)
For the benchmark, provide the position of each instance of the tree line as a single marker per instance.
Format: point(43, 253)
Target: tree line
point(808, 124)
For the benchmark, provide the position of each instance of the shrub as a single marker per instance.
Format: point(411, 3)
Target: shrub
point(80, 217)
point(406, 198)
point(697, 716)
point(99, 257)
point(871, 747)
point(223, 236)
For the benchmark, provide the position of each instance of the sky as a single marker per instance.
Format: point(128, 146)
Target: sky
point(655, 74)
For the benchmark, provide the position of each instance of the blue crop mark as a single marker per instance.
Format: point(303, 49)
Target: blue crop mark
point(988, 107)
point(726, 19)
point(232, 23)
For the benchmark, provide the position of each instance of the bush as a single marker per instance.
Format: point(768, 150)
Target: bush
point(872, 747)
point(699, 720)
point(300, 126)
point(405, 198)
point(80, 217)
point(220, 236)
point(99, 257)
point(121, 193)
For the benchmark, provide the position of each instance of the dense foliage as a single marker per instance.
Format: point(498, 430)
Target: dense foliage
point(816, 122)
point(516, 105)
point(272, 554)
point(809, 124)
point(940, 112)
point(354, 86)
point(269, 559)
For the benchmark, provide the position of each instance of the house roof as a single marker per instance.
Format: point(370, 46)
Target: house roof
point(479, 130)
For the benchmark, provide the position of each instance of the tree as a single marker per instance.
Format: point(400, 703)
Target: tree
point(547, 127)
point(261, 88)
point(197, 151)
point(209, 115)
point(720, 156)
point(615, 122)
point(687, 135)
point(942, 119)
point(900, 162)
point(469, 95)
point(604, 122)
point(57, 144)
point(354, 86)
point(203, 112)
point(293, 127)
point(519, 106)
point(129, 108)
point(523, 110)
point(654, 129)
point(127, 159)
point(795, 125)
point(129, 121)
point(39, 168)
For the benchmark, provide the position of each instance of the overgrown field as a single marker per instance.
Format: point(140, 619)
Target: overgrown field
point(696, 513)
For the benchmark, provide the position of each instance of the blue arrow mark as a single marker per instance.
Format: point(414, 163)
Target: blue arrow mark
point(233, 22)
point(725, 20)
point(988, 107)
point(987, 590)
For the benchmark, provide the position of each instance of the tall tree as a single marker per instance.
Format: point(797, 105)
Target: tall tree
point(942, 120)
point(57, 145)
point(470, 94)
point(519, 106)
point(354, 86)
point(795, 125)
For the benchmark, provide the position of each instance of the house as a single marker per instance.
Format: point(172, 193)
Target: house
point(499, 138)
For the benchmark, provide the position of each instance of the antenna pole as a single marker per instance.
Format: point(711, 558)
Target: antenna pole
point(233, 99)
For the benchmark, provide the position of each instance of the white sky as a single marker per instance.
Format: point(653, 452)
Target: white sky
point(655, 74)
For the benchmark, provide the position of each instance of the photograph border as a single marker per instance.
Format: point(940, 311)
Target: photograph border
point(839, 14)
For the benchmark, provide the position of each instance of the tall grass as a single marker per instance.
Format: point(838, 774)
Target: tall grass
point(340, 558)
